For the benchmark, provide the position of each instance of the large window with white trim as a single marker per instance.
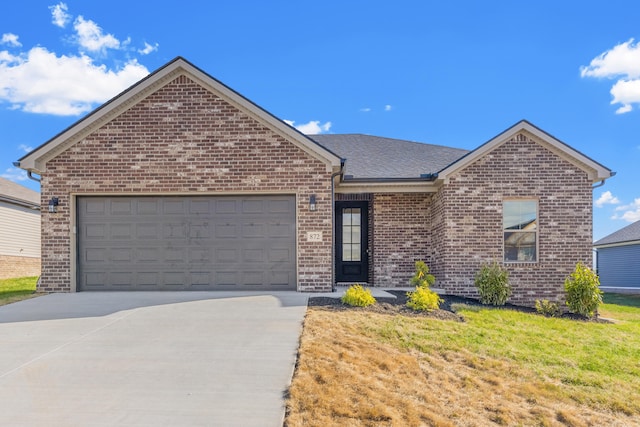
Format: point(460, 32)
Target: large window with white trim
point(520, 226)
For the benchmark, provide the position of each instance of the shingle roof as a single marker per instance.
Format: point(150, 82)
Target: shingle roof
point(377, 157)
point(627, 234)
point(13, 191)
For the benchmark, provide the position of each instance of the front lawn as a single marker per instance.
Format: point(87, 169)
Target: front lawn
point(13, 290)
point(500, 367)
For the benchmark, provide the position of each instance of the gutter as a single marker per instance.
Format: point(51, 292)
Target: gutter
point(29, 173)
point(333, 224)
point(23, 203)
point(601, 183)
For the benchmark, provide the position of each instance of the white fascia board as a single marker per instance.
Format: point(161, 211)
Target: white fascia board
point(596, 171)
point(36, 160)
point(386, 187)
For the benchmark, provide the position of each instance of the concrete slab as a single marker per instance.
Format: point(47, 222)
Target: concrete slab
point(149, 358)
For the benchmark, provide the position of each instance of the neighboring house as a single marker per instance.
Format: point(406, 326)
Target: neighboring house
point(618, 258)
point(19, 231)
point(181, 183)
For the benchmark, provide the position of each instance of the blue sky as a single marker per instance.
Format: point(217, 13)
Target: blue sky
point(454, 73)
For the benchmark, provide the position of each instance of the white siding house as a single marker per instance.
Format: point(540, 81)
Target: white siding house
point(19, 230)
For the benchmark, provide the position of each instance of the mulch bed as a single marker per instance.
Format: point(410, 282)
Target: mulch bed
point(446, 312)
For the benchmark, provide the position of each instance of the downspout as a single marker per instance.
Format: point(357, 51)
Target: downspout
point(601, 183)
point(29, 173)
point(333, 225)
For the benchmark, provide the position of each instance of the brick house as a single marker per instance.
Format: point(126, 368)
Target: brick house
point(181, 183)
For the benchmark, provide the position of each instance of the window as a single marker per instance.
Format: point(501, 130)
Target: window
point(520, 226)
point(351, 234)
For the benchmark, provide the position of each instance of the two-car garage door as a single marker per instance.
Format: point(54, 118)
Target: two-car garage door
point(186, 243)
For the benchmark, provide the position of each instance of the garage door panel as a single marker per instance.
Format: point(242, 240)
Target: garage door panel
point(182, 243)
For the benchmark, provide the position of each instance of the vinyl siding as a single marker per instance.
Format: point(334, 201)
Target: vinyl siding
point(19, 231)
point(619, 266)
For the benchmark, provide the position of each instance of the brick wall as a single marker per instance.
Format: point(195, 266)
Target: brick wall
point(402, 235)
point(184, 139)
point(18, 266)
point(468, 226)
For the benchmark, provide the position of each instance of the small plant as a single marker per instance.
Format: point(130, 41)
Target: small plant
point(422, 277)
point(583, 291)
point(492, 282)
point(423, 299)
point(547, 308)
point(357, 296)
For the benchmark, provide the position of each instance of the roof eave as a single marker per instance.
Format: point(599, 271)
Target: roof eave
point(597, 172)
point(616, 244)
point(386, 185)
point(35, 160)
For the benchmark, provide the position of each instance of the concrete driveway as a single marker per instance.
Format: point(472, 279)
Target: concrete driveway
point(148, 358)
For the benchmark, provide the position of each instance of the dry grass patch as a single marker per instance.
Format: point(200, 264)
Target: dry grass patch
point(360, 368)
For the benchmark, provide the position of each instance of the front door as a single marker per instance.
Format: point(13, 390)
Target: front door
point(352, 254)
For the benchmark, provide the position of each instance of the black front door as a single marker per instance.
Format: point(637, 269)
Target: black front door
point(352, 254)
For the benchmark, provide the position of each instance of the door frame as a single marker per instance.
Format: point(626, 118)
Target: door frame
point(364, 241)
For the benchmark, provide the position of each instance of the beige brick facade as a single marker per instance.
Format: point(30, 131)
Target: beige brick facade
point(180, 132)
point(18, 266)
point(467, 220)
point(184, 139)
point(402, 235)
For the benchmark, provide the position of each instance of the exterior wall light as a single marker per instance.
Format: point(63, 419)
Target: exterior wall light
point(53, 203)
point(312, 202)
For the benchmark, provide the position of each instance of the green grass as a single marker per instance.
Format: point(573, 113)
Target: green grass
point(13, 290)
point(590, 363)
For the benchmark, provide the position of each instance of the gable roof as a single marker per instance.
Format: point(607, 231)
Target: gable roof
point(374, 157)
point(19, 195)
point(628, 234)
point(596, 171)
point(35, 160)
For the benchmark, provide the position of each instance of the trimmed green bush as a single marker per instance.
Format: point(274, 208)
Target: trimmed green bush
point(357, 296)
point(423, 299)
point(583, 291)
point(422, 277)
point(492, 282)
point(547, 308)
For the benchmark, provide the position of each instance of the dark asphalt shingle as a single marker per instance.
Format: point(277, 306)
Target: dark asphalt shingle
point(627, 234)
point(377, 157)
point(15, 191)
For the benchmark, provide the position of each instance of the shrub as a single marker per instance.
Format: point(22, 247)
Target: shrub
point(583, 291)
point(358, 296)
point(492, 282)
point(547, 308)
point(422, 277)
point(423, 299)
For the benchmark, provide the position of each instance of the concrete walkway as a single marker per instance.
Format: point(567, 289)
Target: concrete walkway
point(148, 358)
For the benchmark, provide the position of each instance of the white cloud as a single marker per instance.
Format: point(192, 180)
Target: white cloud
point(42, 82)
point(71, 83)
point(388, 107)
point(25, 148)
point(59, 15)
point(606, 198)
point(311, 128)
point(92, 38)
point(630, 212)
point(365, 110)
point(10, 39)
point(622, 62)
point(15, 174)
point(148, 48)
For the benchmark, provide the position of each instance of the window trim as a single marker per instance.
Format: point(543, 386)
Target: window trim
point(536, 231)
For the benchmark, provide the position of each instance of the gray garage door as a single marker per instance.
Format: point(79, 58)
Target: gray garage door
point(186, 243)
